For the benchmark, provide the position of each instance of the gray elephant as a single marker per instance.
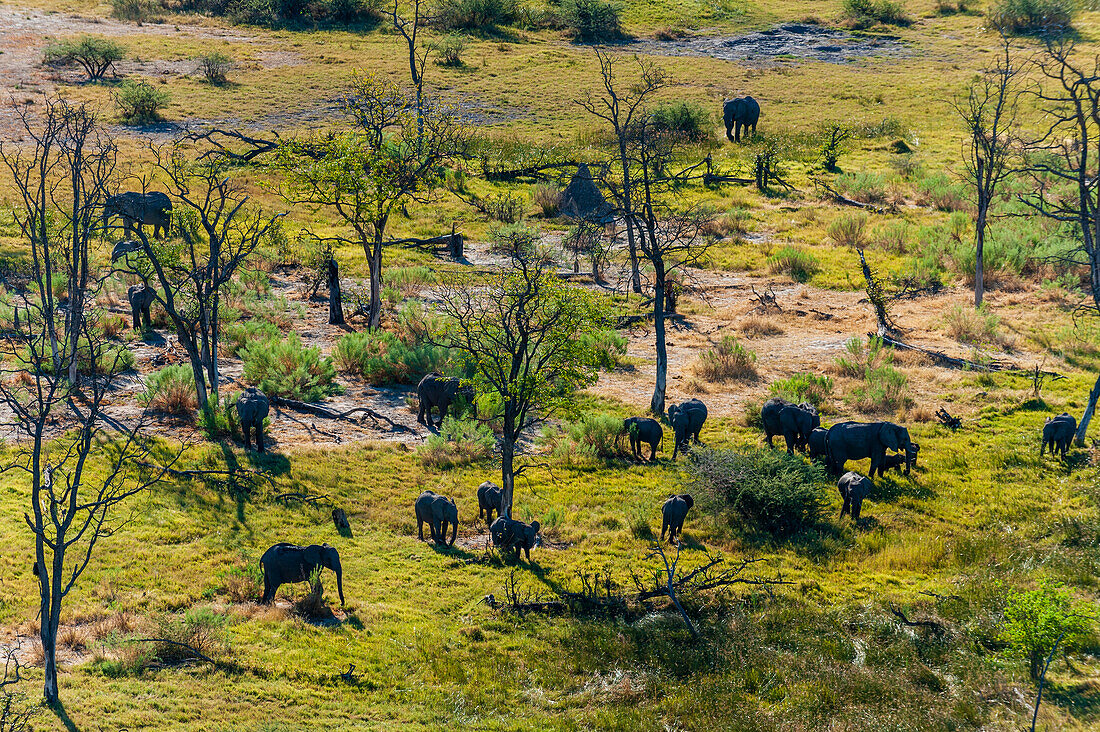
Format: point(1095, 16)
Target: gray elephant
point(687, 420)
point(252, 408)
point(1058, 434)
point(857, 441)
point(284, 563)
point(853, 489)
point(152, 209)
point(508, 533)
point(900, 459)
point(141, 298)
point(815, 443)
point(793, 421)
point(674, 511)
point(436, 390)
point(738, 113)
point(643, 430)
point(437, 511)
point(124, 247)
point(490, 497)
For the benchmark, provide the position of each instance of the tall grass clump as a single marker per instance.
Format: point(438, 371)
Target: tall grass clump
point(200, 629)
point(608, 346)
point(476, 14)
point(171, 390)
point(882, 387)
point(939, 192)
point(976, 327)
point(547, 197)
point(777, 493)
point(380, 357)
point(687, 119)
point(728, 360)
point(796, 263)
point(849, 230)
point(863, 187)
point(289, 369)
point(592, 21)
point(235, 336)
point(459, 442)
point(805, 387)
point(595, 436)
point(1034, 17)
point(866, 13)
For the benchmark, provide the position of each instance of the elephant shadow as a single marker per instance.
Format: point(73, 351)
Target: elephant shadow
point(270, 462)
point(151, 337)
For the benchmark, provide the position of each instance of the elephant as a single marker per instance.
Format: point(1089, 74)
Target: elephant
point(643, 430)
point(738, 113)
point(674, 511)
point(153, 209)
point(124, 247)
point(1058, 433)
point(508, 533)
point(437, 511)
point(897, 460)
point(793, 421)
point(856, 441)
point(436, 390)
point(815, 443)
point(853, 489)
point(252, 408)
point(490, 497)
point(141, 298)
point(284, 563)
point(687, 420)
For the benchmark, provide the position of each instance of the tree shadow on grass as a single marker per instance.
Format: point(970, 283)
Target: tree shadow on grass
point(58, 708)
point(1080, 700)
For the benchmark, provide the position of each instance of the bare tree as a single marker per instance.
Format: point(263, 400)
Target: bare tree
point(61, 180)
point(622, 109)
point(409, 28)
point(219, 231)
point(523, 334)
point(1064, 164)
point(988, 111)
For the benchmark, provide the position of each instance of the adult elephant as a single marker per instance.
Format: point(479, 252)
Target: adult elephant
point(673, 513)
point(438, 391)
point(508, 533)
point(853, 489)
point(490, 498)
point(141, 299)
point(643, 430)
point(857, 441)
point(738, 113)
point(687, 420)
point(1058, 434)
point(284, 563)
point(437, 511)
point(137, 209)
point(793, 421)
point(252, 408)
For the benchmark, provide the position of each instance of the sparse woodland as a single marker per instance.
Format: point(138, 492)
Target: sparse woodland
point(352, 354)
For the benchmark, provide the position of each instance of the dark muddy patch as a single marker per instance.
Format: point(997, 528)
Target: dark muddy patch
point(790, 41)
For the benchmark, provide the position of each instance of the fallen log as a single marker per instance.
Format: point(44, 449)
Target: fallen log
point(943, 359)
point(320, 411)
point(843, 200)
point(627, 320)
point(452, 243)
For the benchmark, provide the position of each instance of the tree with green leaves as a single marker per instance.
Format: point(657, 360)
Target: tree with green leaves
point(1034, 620)
point(386, 160)
point(527, 338)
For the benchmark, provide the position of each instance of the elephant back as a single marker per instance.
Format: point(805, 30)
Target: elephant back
point(253, 405)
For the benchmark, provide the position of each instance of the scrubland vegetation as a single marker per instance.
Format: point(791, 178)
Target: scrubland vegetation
point(333, 152)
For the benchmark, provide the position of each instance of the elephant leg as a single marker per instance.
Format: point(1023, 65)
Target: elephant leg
point(737, 131)
point(260, 436)
point(420, 412)
point(664, 528)
point(147, 316)
point(135, 313)
point(269, 590)
point(790, 440)
point(768, 437)
point(856, 506)
point(244, 429)
point(846, 507)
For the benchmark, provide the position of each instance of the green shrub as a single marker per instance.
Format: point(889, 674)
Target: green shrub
point(1035, 619)
point(215, 66)
point(796, 263)
point(865, 13)
point(939, 192)
point(974, 326)
point(608, 345)
point(860, 358)
point(884, 390)
point(380, 357)
point(409, 280)
point(1034, 17)
point(449, 50)
point(201, 629)
point(252, 12)
point(459, 442)
point(288, 369)
point(778, 493)
point(139, 102)
point(595, 436)
point(171, 390)
point(547, 197)
point(863, 187)
point(110, 359)
point(135, 11)
point(684, 118)
point(803, 387)
point(728, 360)
point(592, 21)
point(476, 14)
point(235, 336)
point(96, 56)
point(849, 230)
point(220, 419)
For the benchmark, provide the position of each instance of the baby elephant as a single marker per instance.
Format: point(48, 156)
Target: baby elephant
point(141, 299)
point(853, 489)
point(490, 497)
point(437, 511)
point(643, 430)
point(508, 533)
point(252, 408)
point(816, 443)
point(1058, 434)
point(675, 511)
point(900, 460)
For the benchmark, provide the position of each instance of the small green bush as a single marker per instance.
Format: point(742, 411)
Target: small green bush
point(849, 230)
point(865, 13)
point(778, 493)
point(939, 192)
point(592, 21)
point(884, 390)
point(171, 390)
point(96, 56)
point(593, 437)
point(235, 336)
point(459, 442)
point(863, 187)
point(796, 263)
point(135, 11)
point(975, 327)
point(690, 120)
point(215, 66)
point(476, 14)
point(1034, 17)
point(1035, 619)
point(201, 629)
point(449, 50)
point(608, 345)
point(288, 369)
point(805, 387)
point(728, 360)
point(860, 358)
point(547, 197)
point(380, 357)
point(139, 102)
point(111, 359)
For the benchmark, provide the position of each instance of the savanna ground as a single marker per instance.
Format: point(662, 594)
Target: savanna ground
point(982, 516)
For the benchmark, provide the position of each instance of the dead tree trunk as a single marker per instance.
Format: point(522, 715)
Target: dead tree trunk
point(335, 296)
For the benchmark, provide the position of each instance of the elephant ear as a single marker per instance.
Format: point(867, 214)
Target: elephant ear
point(533, 529)
point(312, 554)
point(688, 500)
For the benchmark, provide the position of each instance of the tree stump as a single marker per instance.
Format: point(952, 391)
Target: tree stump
point(335, 297)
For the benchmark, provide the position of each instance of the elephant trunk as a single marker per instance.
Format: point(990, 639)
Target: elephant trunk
point(454, 533)
point(340, 584)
